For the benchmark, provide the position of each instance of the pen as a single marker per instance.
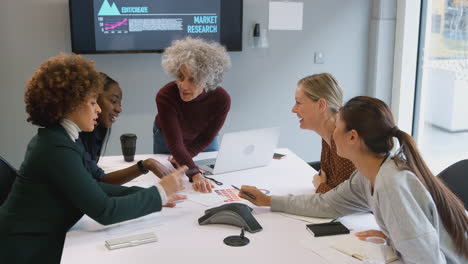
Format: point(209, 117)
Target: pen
point(246, 193)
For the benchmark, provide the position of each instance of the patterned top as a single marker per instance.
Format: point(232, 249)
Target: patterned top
point(338, 169)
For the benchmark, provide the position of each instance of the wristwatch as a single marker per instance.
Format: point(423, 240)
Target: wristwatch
point(142, 167)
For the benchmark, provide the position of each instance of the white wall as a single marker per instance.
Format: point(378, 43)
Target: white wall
point(381, 49)
point(261, 82)
point(405, 63)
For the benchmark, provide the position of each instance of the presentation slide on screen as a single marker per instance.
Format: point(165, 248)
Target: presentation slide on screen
point(153, 24)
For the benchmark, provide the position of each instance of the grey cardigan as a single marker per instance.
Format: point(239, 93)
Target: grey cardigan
point(402, 206)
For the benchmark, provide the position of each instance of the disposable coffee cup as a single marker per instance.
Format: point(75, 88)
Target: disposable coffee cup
point(128, 142)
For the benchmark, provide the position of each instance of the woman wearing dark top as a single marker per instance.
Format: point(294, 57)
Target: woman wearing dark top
point(54, 189)
point(192, 109)
point(95, 142)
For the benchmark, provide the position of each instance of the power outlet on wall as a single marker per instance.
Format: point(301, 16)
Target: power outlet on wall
point(319, 57)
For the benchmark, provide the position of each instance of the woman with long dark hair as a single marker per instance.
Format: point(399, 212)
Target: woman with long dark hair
point(95, 142)
point(423, 220)
point(110, 101)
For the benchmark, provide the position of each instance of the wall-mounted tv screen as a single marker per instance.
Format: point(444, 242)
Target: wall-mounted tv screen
point(125, 26)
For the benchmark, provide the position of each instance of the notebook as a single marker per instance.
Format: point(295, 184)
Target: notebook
point(354, 247)
point(327, 229)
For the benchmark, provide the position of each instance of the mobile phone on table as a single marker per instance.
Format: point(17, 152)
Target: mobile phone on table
point(130, 241)
point(278, 156)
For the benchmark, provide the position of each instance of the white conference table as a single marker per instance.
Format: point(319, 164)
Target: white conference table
point(182, 240)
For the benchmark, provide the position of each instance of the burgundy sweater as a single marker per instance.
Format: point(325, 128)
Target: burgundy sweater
point(190, 127)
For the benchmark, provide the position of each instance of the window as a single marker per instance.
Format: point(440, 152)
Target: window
point(441, 102)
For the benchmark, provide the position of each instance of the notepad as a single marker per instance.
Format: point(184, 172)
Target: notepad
point(327, 229)
point(354, 247)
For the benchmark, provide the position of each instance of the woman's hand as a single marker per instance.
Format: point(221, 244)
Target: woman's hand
point(172, 201)
point(156, 167)
point(370, 233)
point(173, 162)
point(201, 184)
point(173, 182)
point(319, 178)
point(261, 199)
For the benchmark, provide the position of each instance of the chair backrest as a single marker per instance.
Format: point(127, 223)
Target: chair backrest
point(456, 178)
point(7, 177)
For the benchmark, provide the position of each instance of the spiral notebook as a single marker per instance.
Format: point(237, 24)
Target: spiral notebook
point(354, 247)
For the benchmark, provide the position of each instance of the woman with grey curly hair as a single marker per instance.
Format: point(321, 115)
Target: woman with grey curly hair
point(192, 109)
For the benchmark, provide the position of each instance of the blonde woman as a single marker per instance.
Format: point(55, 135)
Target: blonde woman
point(318, 100)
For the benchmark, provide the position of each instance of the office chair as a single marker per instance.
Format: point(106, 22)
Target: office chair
point(7, 177)
point(456, 179)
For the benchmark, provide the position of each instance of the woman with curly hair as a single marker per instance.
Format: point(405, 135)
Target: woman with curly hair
point(53, 188)
point(95, 142)
point(192, 109)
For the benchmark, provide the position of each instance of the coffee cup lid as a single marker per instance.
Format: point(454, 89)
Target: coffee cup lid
point(128, 135)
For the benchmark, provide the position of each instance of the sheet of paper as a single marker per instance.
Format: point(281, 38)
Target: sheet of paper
point(351, 245)
point(314, 220)
point(228, 195)
point(206, 199)
point(326, 253)
point(131, 228)
point(285, 15)
point(92, 232)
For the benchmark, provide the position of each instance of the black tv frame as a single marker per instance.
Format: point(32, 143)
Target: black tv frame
point(229, 20)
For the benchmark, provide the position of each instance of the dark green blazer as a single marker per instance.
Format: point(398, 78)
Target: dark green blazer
point(52, 193)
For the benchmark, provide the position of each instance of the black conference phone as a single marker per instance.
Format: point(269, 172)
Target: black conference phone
point(236, 214)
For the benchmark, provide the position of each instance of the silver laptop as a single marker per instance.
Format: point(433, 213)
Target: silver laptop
point(243, 150)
